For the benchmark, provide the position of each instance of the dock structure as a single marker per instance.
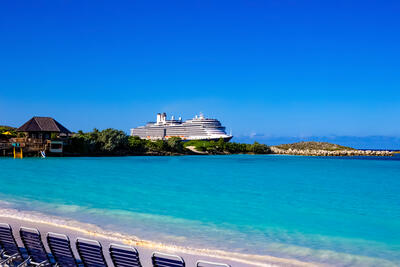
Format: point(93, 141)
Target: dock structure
point(4, 148)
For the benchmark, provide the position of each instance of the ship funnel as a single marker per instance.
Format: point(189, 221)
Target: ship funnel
point(158, 118)
point(172, 117)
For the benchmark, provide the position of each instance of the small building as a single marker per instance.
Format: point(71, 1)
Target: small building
point(43, 134)
point(43, 127)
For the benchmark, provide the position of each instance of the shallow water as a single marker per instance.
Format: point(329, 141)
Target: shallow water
point(341, 211)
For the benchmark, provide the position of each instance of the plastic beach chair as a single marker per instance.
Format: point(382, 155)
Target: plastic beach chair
point(166, 260)
point(91, 252)
point(210, 264)
point(10, 252)
point(60, 247)
point(124, 256)
point(34, 246)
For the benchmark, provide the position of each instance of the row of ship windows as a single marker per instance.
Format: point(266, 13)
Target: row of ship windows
point(176, 132)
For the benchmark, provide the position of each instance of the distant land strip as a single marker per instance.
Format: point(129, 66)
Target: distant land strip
point(325, 149)
point(113, 142)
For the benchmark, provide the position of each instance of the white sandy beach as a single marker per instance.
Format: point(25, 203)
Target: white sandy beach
point(145, 248)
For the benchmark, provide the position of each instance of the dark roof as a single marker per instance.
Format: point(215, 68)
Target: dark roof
point(43, 124)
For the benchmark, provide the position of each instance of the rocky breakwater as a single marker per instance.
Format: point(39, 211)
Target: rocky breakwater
point(324, 149)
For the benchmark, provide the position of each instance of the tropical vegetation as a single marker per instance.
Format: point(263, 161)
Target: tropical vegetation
point(116, 142)
point(8, 130)
point(220, 146)
point(314, 146)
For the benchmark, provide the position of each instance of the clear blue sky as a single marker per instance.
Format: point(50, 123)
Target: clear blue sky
point(265, 68)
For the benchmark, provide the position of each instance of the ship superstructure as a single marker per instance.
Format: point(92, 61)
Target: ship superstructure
point(198, 128)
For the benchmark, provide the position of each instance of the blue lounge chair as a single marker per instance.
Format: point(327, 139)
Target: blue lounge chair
point(10, 252)
point(60, 247)
point(210, 264)
point(166, 260)
point(34, 246)
point(124, 256)
point(91, 253)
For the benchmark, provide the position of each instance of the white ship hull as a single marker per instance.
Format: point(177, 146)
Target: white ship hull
point(199, 128)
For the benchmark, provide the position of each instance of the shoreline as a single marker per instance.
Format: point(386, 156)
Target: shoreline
point(73, 229)
point(306, 153)
point(332, 153)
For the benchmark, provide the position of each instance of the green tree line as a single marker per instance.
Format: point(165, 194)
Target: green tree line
point(220, 146)
point(112, 141)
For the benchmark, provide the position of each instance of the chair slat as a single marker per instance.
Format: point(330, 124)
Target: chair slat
point(202, 263)
point(60, 247)
point(7, 240)
point(34, 246)
point(124, 256)
point(167, 260)
point(91, 253)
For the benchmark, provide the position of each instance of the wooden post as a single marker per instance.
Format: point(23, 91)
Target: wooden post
point(16, 154)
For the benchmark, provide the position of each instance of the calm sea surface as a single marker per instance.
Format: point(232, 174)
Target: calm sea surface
point(343, 211)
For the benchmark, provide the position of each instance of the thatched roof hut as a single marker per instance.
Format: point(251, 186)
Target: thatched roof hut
point(43, 127)
point(43, 124)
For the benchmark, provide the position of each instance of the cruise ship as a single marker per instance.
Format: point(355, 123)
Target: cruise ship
point(198, 128)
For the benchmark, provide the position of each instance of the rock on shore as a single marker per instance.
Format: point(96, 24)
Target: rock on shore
point(327, 149)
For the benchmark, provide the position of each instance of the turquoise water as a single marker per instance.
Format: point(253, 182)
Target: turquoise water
point(342, 211)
